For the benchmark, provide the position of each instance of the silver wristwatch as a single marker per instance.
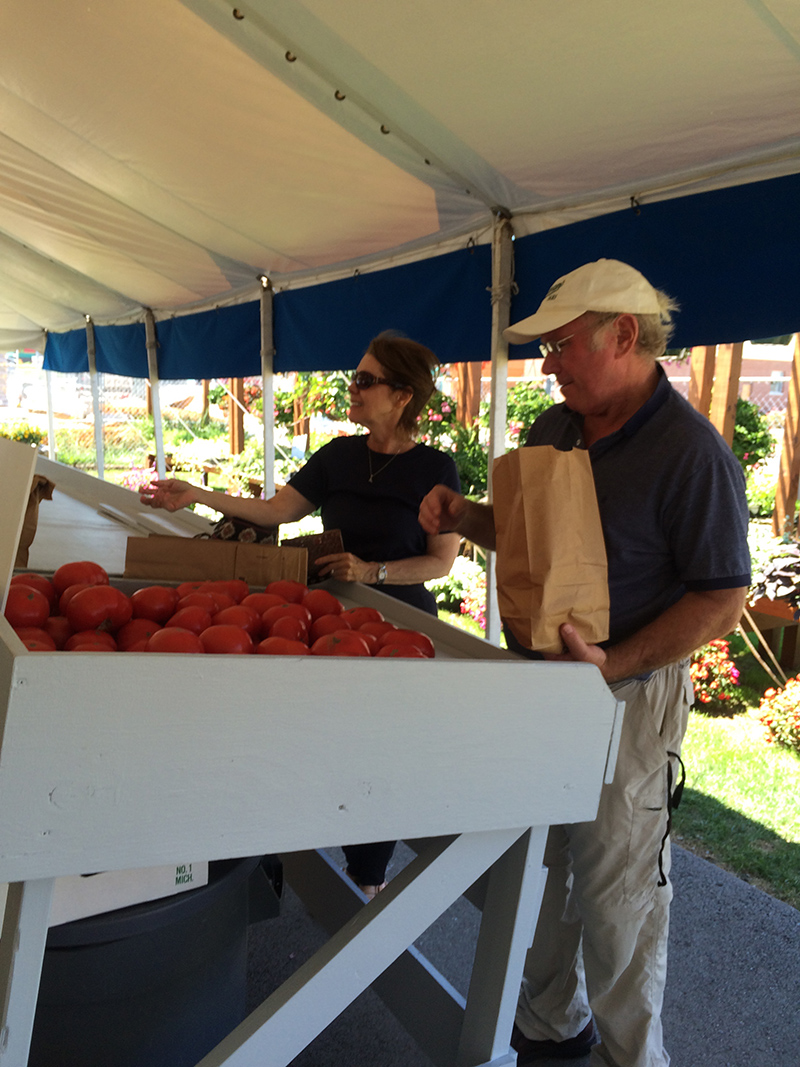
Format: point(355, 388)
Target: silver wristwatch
point(381, 574)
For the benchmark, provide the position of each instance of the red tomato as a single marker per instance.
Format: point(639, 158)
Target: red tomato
point(34, 645)
point(83, 637)
point(410, 637)
point(296, 611)
point(188, 587)
point(321, 602)
point(289, 626)
point(173, 639)
point(226, 639)
point(59, 629)
point(221, 599)
point(340, 643)
point(26, 606)
point(38, 581)
point(197, 600)
point(99, 607)
point(135, 632)
point(281, 646)
point(155, 602)
point(376, 628)
point(69, 593)
point(326, 624)
point(85, 571)
point(372, 641)
point(36, 639)
point(358, 616)
point(92, 646)
point(236, 588)
point(246, 618)
point(191, 618)
point(286, 589)
point(401, 650)
point(262, 602)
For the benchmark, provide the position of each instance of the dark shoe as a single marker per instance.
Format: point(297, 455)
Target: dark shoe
point(529, 1051)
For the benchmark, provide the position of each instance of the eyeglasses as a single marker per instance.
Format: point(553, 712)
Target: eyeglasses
point(554, 348)
point(362, 379)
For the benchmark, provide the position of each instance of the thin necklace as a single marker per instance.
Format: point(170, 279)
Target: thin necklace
point(372, 473)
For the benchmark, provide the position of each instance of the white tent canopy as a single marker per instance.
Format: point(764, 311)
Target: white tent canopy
point(165, 154)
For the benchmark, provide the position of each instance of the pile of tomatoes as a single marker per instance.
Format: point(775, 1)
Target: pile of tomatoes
point(77, 610)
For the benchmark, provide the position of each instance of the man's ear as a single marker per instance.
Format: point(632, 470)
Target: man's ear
point(626, 327)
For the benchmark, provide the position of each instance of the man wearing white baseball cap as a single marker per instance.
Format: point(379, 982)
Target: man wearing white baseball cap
point(674, 516)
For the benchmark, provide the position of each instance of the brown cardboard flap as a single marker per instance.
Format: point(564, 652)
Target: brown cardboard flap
point(188, 559)
point(262, 564)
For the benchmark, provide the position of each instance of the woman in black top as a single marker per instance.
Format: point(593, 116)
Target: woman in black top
point(370, 487)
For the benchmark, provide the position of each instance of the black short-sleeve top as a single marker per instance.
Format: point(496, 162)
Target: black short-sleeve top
point(378, 518)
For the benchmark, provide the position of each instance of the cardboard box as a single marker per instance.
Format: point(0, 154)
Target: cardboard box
point(187, 559)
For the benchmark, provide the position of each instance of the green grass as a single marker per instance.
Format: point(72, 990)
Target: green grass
point(740, 808)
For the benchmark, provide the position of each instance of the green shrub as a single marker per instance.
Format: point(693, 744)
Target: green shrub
point(760, 491)
point(526, 402)
point(453, 587)
point(752, 440)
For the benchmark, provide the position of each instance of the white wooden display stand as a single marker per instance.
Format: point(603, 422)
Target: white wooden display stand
point(115, 761)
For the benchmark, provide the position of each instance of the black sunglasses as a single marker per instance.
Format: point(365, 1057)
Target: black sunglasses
point(362, 379)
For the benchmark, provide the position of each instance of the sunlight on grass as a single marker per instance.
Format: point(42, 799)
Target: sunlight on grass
point(740, 807)
point(729, 759)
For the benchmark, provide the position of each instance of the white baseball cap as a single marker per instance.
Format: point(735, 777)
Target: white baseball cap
point(605, 285)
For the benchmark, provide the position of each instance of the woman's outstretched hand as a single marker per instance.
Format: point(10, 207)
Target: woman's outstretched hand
point(168, 493)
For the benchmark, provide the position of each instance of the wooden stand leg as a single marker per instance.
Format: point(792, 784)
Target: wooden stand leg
point(21, 955)
point(513, 897)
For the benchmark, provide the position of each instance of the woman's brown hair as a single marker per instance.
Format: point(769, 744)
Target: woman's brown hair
point(407, 365)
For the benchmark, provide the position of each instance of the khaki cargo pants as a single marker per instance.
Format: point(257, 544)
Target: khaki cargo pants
point(600, 947)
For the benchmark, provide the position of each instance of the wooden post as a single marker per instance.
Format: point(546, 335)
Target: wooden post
point(726, 389)
point(468, 392)
point(236, 415)
point(702, 377)
point(783, 517)
point(205, 397)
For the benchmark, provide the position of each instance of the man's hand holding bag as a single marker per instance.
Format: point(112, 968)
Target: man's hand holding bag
point(551, 557)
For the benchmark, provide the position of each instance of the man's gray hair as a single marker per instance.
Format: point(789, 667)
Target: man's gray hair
point(655, 331)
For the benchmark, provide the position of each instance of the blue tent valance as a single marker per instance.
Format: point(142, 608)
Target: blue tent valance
point(730, 257)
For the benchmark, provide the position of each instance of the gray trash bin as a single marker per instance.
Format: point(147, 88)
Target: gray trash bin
point(154, 985)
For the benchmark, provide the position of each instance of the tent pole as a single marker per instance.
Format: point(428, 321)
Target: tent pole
point(502, 283)
point(51, 422)
point(94, 381)
point(155, 396)
point(268, 386)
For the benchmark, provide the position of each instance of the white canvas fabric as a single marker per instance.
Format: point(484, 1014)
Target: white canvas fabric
point(164, 154)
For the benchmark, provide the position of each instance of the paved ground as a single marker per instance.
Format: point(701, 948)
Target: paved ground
point(733, 994)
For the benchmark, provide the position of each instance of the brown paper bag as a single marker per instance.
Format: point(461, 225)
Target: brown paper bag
point(41, 489)
point(551, 557)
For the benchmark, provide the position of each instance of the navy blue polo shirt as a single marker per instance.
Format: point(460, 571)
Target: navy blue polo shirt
point(672, 505)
